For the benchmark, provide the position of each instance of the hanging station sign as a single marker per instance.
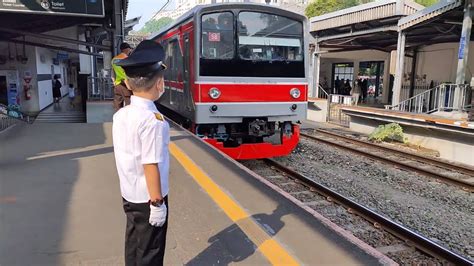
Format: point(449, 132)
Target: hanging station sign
point(88, 8)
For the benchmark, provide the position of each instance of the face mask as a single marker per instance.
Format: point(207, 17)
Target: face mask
point(162, 91)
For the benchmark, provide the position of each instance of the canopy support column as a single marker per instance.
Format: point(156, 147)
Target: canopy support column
point(397, 87)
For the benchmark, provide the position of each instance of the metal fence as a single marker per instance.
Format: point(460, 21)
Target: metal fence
point(440, 98)
point(6, 122)
point(419, 88)
point(100, 88)
point(335, 103)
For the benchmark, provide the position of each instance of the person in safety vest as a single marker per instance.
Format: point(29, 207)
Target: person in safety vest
point(121, 92)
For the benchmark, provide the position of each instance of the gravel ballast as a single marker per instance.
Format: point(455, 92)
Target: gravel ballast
point(441, 212)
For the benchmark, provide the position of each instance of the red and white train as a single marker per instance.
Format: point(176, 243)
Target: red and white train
point(237, 77)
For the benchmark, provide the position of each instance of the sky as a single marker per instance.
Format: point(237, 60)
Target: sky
point(144, 8)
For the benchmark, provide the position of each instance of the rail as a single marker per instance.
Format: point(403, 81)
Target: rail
point(400, 159)
point(100, 88)
point(440, 98)
point(419, 241)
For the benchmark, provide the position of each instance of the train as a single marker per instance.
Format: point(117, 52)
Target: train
point(237, 77)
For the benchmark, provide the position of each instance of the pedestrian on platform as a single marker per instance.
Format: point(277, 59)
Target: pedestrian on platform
point(121, 92)
point(347, 87)
point(355, 92)
point(57, 89)
point(337, 85)
point(364, 89)
point(71, 95)
point(141, 137)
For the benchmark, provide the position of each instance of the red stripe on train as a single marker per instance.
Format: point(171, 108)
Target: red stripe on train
point(253, 92)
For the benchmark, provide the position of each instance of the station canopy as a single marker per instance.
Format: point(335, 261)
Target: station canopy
point(376, 25)
point(22, 17)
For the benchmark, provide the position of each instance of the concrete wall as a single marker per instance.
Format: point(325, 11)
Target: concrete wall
point(453, 146)
point(439, 62)
point(318, 110)
point(45, 70)
point(30, 66)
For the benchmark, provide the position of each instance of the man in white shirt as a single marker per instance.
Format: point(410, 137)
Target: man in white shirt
point(141, 137)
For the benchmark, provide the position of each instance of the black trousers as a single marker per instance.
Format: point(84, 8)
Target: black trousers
point(144, 243)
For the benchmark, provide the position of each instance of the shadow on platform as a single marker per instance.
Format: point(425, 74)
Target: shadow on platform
point(232, 245)
point(41, 190)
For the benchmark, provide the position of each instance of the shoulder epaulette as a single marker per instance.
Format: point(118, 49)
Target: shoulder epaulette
point(159, 116)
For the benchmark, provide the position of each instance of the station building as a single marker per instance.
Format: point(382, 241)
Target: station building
point(417, 66)
point(70, 39)
point(369, 39)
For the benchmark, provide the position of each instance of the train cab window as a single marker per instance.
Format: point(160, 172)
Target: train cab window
point(269, 37)
point(217, 36)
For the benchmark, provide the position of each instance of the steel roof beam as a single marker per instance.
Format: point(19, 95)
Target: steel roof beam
point(358, 33)
point(55, 38)
point(71, 50)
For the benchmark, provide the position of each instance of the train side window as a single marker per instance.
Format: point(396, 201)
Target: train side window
point(217, 36)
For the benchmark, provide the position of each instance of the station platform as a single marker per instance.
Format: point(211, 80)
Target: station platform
point(60, 204)
point(452, 138)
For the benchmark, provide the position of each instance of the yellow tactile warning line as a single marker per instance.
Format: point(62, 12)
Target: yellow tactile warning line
point(270, 248)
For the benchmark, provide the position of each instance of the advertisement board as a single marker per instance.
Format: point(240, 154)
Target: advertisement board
point(87, 8)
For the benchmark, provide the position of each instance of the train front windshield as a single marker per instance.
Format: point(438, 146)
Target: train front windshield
point(251, 44)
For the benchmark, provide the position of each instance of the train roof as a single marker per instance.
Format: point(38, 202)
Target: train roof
point(224, 6)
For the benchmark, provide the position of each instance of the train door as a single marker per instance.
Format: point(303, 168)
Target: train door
point(174, 70)
point(187, 76)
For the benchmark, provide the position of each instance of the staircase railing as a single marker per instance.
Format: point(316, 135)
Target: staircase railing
point(440, 98)
point(322, 93)
point(9, 116)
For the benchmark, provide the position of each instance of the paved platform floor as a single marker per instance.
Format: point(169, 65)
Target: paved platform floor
point(60, 204)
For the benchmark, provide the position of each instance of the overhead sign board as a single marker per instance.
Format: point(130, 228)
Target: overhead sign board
point(89, 8)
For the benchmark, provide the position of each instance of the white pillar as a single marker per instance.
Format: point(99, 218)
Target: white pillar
point(397, 86)
point(317, 66)
point(386, 80)
point(463, 53)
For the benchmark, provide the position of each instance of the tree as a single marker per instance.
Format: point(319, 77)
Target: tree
point(426, 2)
point(321, 7)
point(155, 25)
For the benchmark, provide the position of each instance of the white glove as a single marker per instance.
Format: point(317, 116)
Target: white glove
point(158, 215)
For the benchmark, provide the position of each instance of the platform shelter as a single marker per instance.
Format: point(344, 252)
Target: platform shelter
point(72, 40)
point(434, 42)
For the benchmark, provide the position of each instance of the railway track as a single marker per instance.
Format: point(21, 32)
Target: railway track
point(459, 175)
point(409, 237)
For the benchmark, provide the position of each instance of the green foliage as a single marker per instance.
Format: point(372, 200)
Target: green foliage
point(426, 2)
point(392, 131)
point(155, 25)
point(321, 7)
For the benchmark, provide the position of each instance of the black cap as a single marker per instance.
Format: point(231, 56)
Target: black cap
point(124, 46)
point(147, 57)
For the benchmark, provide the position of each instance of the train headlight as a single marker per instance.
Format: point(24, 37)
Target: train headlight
point(214, 93)
point(295, 93)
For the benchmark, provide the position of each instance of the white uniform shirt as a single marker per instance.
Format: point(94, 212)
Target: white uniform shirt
point(140, 137)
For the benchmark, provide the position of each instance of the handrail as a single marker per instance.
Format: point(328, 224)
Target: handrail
point(14, 113)
point(440, 98)
point(100, 88)
point(326, 94)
